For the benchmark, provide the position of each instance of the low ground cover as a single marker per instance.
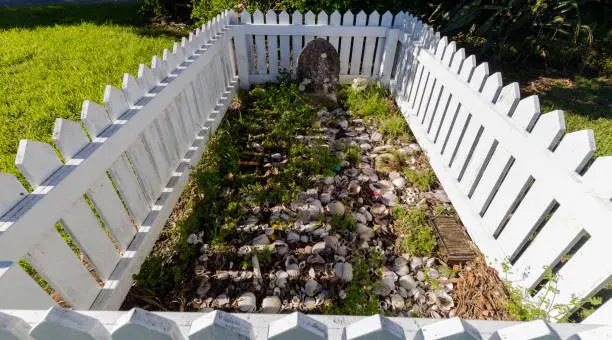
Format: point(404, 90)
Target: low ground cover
point(296, 207)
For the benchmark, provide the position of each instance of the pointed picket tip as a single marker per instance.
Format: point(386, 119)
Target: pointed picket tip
point(362, 16)
point(245, 18)
point(284, 15)
point(347, 18)
point(296, 326)
point(146, 78)
point(548, 129)
point(467, 68)
point(271, 18)
point(141, 324)
point(94, 117)
point(296, 18)
point(441, 47)
point(233, 17)
point(220, 325)
point(12, 327)
point(527, 112)
point(597, 177)
point(479, 75)
point(374, 327)
point(131, 89)
point(449, 51)
point(527, 330)
point(170, 60)
point(457, 61)
point(309, 18)
point(12, 193)
point(322, 18)
point(492, 87)
point(159, 69)
point(398, 19)
point(508, 98)
point(576, 149)
point(69, 137)
point(36, 161)
point(453, 328)
point(115, 102)
point(61, 323)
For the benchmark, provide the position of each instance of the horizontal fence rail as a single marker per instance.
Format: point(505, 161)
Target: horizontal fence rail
point(57, 323)
point(530, 196)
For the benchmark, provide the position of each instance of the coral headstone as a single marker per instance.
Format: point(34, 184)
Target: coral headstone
point(318, 70)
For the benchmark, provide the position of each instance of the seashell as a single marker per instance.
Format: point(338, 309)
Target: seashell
point(281, 247)
point(200, 270)
point(203, 288)
point(397, 302)
point(281, 274)
point(386, 272)
point(403, 292)
point(292, 237)
point(359, 218)
point(295, 301)
point(246, 302)
point(293, 270)
point(415, 263)
point(312, 287)
point(318, 247)
point(434, 315)
point(290, 260)
point(271, 304)
point(304, 238)
point(315, 259)
point(244, 250)
point(383, 305)
point(332, 243)
point(420, 276)
point(388, 199)
point(354, 188)
point(342, 294)
point(431, 298)
point(433, 273)
point(272, 284)
point(277, 291)
point(302, 265)
point(311, 273)
point(221, 300)
point(310, 303)
point(379, 210)
point(444, 301)
point(408, 282)
point(429, 263)
point(325, 198)
point(222, 275)
point(281, 282)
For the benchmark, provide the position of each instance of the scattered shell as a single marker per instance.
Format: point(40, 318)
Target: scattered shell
point(325, 198)
point(261, 240)
point(318, 247)
point(246, 302)
point(385, 286)
point(344, 271)
point(420, 276)
point(342, 294)
point(203, 288)
point(271, 304)
point(332, 243)
point(407, 282)
point(221, 300)
point(293, 270)
point(336, 208)
point(397, 302)
point(379, 210)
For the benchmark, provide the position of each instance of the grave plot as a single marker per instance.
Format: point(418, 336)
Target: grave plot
point(299, 208)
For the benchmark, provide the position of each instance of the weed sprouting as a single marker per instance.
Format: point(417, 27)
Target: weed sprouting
point(423, 179)
point(415, 234)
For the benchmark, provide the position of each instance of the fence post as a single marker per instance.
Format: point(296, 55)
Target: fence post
point(389, 56)
point(242, 58)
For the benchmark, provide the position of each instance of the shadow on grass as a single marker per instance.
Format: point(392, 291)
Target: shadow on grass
point(122, 14)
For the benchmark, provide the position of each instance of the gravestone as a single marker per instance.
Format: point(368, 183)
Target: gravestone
point(318, 69)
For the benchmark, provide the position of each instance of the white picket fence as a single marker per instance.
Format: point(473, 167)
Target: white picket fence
point(509, 171)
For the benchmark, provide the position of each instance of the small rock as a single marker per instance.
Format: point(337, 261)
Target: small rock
point(276, 156)
point(359, 218)
point(271, 305)
point(304, 238)
point(318, 247)
point(332, 243)
point(316, 259)
point(312, 287)
point(365, 146)
point(433, 273)
point(407, 282)
point(325, 198)
point(397, 302)
point(379, 210)
point(342, 294)
point(221, 300)
point(342, 251)
point(385, 287)
point(388, 199)
point(420, 276)
point(292, 237)
point(416, 263)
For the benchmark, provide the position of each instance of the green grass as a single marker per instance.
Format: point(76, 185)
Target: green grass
point(54, 57)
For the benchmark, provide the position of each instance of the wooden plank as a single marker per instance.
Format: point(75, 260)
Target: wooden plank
point(19, 291)
point(260, 44)
point(357, 45)
point(345, 43)
point(455, 244)
point(285, 51)
point(296, 40)
point(557, 237)
point(127, 184)
point(380, 45)
point(58, 265)
point(272, 43)
point(245, 19)
point(322, 20)
point(315, 30)
point(334, 21)
point(309, 19)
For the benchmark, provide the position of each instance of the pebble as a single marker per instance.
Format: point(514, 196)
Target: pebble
point(312, 287)
point(407, 282)
point(325, 198)
point(376, 137)
point(318, 247)
point(336, 208)
point(246, 302)
point(261, 240)
point(420, 276)
point(271, 305)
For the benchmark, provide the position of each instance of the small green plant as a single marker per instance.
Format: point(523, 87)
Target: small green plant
point(343, 223)
point(423, 179)
point(353, 155)
point(394, 126)
point(416, 236)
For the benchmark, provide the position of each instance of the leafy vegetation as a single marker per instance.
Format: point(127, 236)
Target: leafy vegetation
point(423, 179)
point(415, 235)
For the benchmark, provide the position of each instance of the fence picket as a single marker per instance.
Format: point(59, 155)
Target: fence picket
point(245, 19)
point(146, 78)
point(370, 46)
point(334, 20)
point(385, 22)
point(431, 108)
point(296, 40)
point(431, 82)
point(51, 256)
point(272, 44)
point(131, 89)
point(96, 121)
point(357, 45)
point(501, 160)
point(70, 138)
point(442, 116)
point(260, 44)
point(322, 20)
point(285, 52)
point(345, 44)
point(309, 19)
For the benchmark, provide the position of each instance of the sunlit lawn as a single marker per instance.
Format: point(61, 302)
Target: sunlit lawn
point(54, 57)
